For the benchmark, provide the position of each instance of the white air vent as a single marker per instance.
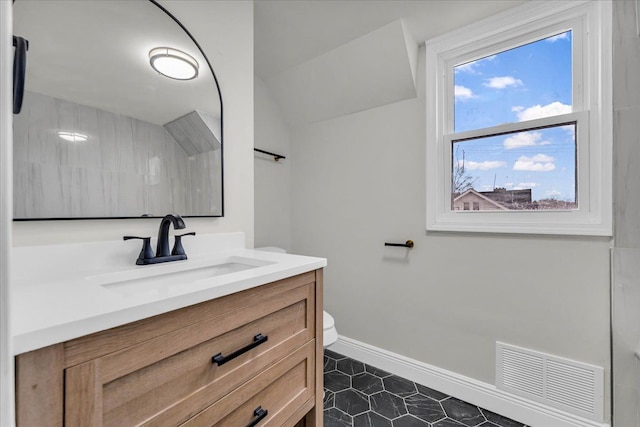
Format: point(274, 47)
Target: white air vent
point(562, 383)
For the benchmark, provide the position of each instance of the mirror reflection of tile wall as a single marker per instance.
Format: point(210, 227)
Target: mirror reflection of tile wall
point(126, 168)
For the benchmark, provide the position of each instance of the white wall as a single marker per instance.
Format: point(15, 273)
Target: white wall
point(359, 181)
point(626, 265)
point(6, 209)
point(272, 180)
point(224, 30)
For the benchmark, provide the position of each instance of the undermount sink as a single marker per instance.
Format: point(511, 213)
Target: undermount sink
point(161, 279)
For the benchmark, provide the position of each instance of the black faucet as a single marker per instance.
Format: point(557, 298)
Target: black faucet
point(162, 251)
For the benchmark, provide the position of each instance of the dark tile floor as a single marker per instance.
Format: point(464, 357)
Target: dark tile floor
point(359, 395)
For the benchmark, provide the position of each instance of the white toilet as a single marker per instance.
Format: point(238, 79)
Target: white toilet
point(330, 334)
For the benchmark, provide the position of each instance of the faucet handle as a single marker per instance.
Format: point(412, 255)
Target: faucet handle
point(146, 252)
point(177, 245)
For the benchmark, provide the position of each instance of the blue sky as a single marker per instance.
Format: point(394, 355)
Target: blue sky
point(525, 83)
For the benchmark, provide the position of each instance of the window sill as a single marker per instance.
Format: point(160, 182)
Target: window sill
point(567, 223)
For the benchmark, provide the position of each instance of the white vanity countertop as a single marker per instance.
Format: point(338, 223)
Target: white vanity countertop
point(63, 292)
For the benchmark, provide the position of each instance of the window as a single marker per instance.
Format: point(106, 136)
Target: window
point(519, 122)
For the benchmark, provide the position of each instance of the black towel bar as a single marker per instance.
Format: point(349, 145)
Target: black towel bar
point(276, 157)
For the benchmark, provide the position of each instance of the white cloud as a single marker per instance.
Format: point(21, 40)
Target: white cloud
point(503, 82)
point(524, 139)
point(537, 163)
point(554, 39)
point(483, 166)
point(553, 193)
point(463, 93)
point(539, 111)
point(525, 185)
point(517, 108)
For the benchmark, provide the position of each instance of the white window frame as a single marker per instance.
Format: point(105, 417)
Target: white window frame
point(592, 109)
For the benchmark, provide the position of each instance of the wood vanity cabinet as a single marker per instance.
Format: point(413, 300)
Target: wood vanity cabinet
point(253, 358)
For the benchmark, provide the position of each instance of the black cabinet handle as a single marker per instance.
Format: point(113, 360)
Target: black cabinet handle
point(257, 340)
point(260, 414)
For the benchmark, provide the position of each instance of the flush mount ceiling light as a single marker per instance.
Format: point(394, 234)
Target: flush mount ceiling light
point(173, 63)
point(72, 136)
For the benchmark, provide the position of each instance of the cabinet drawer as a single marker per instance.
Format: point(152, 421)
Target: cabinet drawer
point(220, 315)
point(166, 380)
point(279, 392)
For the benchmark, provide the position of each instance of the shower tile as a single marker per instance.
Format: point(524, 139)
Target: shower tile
point(158, 177)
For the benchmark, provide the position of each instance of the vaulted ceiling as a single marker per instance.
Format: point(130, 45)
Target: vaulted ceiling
point(327, 58)
point(290, 32)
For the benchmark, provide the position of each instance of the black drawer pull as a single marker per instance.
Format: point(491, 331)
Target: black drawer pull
point(260, 414)
point(257, 340)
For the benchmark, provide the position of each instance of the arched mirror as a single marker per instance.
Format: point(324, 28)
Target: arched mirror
point(101, 133)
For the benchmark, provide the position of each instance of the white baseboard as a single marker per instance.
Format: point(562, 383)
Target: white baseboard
point(473, 391)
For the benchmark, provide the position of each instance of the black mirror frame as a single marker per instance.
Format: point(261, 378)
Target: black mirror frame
point(215, 78)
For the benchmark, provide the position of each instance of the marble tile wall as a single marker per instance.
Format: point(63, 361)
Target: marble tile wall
point(626, 255)
point(626, 337)
point(204, 171)
point(127, 167)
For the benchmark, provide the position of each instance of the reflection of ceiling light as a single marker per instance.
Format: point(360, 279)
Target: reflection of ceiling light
point(72, 136)
point(173, 63)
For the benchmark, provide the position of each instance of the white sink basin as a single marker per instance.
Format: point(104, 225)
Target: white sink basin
point(164, 278)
